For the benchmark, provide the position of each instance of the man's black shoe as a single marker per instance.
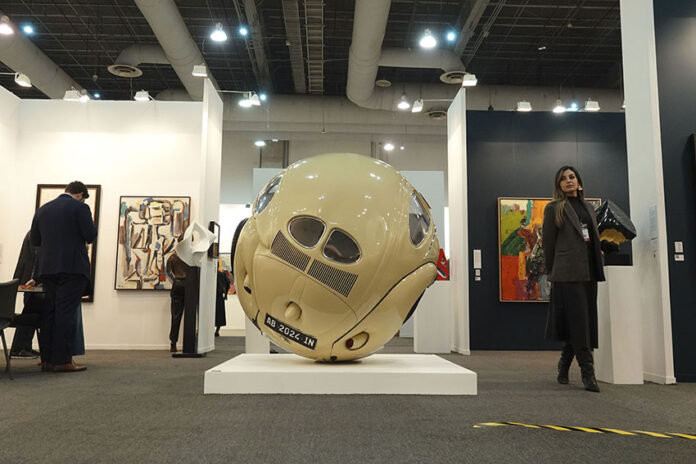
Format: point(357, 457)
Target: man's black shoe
point(24, 354)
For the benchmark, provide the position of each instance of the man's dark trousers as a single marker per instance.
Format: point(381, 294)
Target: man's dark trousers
point(63, 293)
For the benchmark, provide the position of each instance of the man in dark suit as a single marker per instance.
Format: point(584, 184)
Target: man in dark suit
point(62, 228)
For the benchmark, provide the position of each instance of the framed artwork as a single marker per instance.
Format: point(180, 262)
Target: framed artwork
point(521, 258)
point(148, 229)
point(48, 192)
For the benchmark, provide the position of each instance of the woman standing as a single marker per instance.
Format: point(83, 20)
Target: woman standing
point(574, 266)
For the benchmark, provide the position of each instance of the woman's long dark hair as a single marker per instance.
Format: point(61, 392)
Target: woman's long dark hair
point(560, 197)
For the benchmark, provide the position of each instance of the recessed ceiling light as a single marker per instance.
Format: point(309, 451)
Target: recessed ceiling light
point(28, 29)
point(451, 36)
point(428, 41)
point(5, 26)
point(592, 106)
point(243, 31)
point(524, 106)
point(263, 97)
point(97, 95)
point(219, 34)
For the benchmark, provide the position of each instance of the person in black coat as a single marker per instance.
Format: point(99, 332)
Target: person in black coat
point(62, 228)
point(223, 286)
point(33, 301)
point(573, 262)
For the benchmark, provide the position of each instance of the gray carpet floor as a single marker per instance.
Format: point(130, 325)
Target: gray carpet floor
point(146, 407)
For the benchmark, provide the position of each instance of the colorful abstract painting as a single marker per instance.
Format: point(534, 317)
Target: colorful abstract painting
point(522, 274)
point(521, 256)
point(49, 192)
point(148, 229)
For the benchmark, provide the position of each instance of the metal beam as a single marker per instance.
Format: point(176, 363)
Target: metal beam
point(291, 17)
point(467, 30)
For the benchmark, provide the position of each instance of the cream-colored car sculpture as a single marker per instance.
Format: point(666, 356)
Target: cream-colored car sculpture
point(335, 257)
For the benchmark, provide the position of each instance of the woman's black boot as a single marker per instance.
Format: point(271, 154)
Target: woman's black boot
point(564, 364)
point(590, 383)
point(587, 370)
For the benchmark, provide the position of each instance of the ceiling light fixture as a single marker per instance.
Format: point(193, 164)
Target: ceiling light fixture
point(243, 31)
point(388, 146)
point(72, 95)
point(260, 143)
point(28, 29)
point(469, 80)
point(19, 78)
point(524, 106)
point(451, 35)
point(573, 107)
point(218, 35)
point(417, 106)
point(428, 41)
point(403, 104)
point(84, 96)
point(254, 99)
point(262, 97)
point(559, 108)
point(97, 95)
point(142, 95)
point(5, 26)
point(199, 70)
point(592, 106)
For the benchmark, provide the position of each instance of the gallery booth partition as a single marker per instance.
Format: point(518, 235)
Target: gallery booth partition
point(128, 148)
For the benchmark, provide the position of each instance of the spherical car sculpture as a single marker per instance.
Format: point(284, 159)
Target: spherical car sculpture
point(336, 255)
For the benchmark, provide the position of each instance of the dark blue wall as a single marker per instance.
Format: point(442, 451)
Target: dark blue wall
point(675, 39)
point(513, 154)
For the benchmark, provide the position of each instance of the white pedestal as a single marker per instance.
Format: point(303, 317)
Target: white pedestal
point(619, 358)
point(432, 320)
point(404, 374)
point(254, 342)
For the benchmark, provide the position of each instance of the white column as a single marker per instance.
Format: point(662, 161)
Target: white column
point(458, 225)
point(209, 203)
point(645, 180)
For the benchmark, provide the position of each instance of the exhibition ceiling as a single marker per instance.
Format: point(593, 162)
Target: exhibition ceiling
point(569, 43)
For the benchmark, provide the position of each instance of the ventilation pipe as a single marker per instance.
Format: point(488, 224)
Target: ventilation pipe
point(21, 55)
point(180, 49)
point(369, 25)
point(127, 62)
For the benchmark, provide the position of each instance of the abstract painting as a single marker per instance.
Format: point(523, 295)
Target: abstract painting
point(148, 229)
point(522, 275)
point(48, 192)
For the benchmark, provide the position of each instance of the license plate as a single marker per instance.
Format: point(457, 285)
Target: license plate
point(289, 332)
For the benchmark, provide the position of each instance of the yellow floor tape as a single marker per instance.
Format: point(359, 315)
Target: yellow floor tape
point(588, 430)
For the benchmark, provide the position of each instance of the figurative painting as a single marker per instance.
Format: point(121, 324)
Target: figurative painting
point(522, 275)
point(49, 192)
point(148, 229)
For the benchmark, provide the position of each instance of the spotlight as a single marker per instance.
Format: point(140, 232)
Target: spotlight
point(84, 96)
point(451, 36)
point(262, 97)
point(524, 106)
point(142, 95)
point(243, 31)
point(559, 108)
point(254, 99)
point(28, 29)
point(5, 26)
point(592, 106)
point(428, 41)
point(260, 143)
point(97, 95)
point(22, 80)
point(573, 107)
point(218, 35)
point(388, 146)
point(245, 102)
point(417, 106)
point(469, 80)
point(199, 70)
point(402, 148)
point(403, 103)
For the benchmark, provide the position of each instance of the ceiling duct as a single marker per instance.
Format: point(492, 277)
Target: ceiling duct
point(126, 64)
point(430, 59)
point(364, 58)
point(180, 49)
point(21, 55)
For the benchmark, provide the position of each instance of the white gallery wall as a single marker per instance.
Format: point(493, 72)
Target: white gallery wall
point(129, 148)
point(9, 120)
